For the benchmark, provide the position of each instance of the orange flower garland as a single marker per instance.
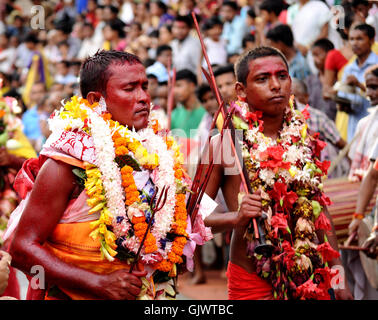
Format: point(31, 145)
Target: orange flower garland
point(178, 227)
point(122, 147)
point(132, 196)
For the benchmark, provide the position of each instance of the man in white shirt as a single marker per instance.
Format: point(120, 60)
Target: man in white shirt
point(89, 46)
point(186, 50)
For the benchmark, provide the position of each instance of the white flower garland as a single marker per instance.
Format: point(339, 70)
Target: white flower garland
point(105, 155)
point(163, 175)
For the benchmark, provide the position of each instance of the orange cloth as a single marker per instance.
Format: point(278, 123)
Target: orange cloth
point(71, 243)
point(246, 286)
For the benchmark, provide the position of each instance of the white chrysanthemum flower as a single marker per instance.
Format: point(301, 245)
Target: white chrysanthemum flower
point(293, 154)
point(105, 155)
point(267, 176)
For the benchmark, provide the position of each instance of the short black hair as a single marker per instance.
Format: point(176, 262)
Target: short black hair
point(151, 76)
point(281, 33)
point(231, 4)
point(117, 25)
point(242, 65)
point(227, 68)
point(324, 44)
point(95, 73)
point(356, 3)
point(251, 12)
point(88, 24)
point(112, 8)
point(66, 63)
point(186, 74)
point(186, 19)
point(154, 33)
point(160, 49)
point(202, 90)
point(275, 6)
point(31, 37)
point(248, 38)
point(161, 6)
point(367, 29)
point(211, 23)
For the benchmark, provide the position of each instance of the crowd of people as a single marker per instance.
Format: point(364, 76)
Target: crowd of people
point(330, 47)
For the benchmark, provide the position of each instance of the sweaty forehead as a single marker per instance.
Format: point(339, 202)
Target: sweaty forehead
point(270, 65)
point(126, 73)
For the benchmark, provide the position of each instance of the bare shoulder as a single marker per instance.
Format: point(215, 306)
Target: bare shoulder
point(53, 187)
point(56, 174)
point(48, 200)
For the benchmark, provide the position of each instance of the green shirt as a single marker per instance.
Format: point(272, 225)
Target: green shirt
point(187, 120)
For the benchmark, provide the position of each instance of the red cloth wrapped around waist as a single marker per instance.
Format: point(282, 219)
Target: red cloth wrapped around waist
point(243, 285)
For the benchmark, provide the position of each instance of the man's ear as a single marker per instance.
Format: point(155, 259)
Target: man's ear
point(240, 90)
point(93, 96)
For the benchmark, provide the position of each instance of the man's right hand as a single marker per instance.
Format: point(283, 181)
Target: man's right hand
point(353, 226)
point(121, 285)
point(250, 208)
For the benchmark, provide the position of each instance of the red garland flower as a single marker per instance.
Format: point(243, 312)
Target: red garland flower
point(305, 112)
point(295, 139)
point(317, 144)
point(323, 200)
point(323, 277)
point(253, 116)
point(322, 222)
point(327, 252)
point(309, 290)
point(324, 166)
point(272, 158)
point(279, 222)
point(283, 199)
point(288, 253)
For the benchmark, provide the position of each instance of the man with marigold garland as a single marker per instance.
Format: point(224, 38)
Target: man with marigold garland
point(282, 161)
point(96, 213)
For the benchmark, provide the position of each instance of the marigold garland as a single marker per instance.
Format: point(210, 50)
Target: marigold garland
point(107, 185)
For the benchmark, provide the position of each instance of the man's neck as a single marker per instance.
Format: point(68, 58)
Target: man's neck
point(192, 103)
point(272, 125)
point(182, 40)
point(302, 2)
point(362, 58)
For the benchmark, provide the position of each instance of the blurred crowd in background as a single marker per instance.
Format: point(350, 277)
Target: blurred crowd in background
point(330, 47)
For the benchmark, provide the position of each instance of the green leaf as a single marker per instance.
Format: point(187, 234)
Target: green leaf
point(316, 208)
point(80, 173)
point(127, 160)
point(239, 123)
point(160, 277)
point(81, 176)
